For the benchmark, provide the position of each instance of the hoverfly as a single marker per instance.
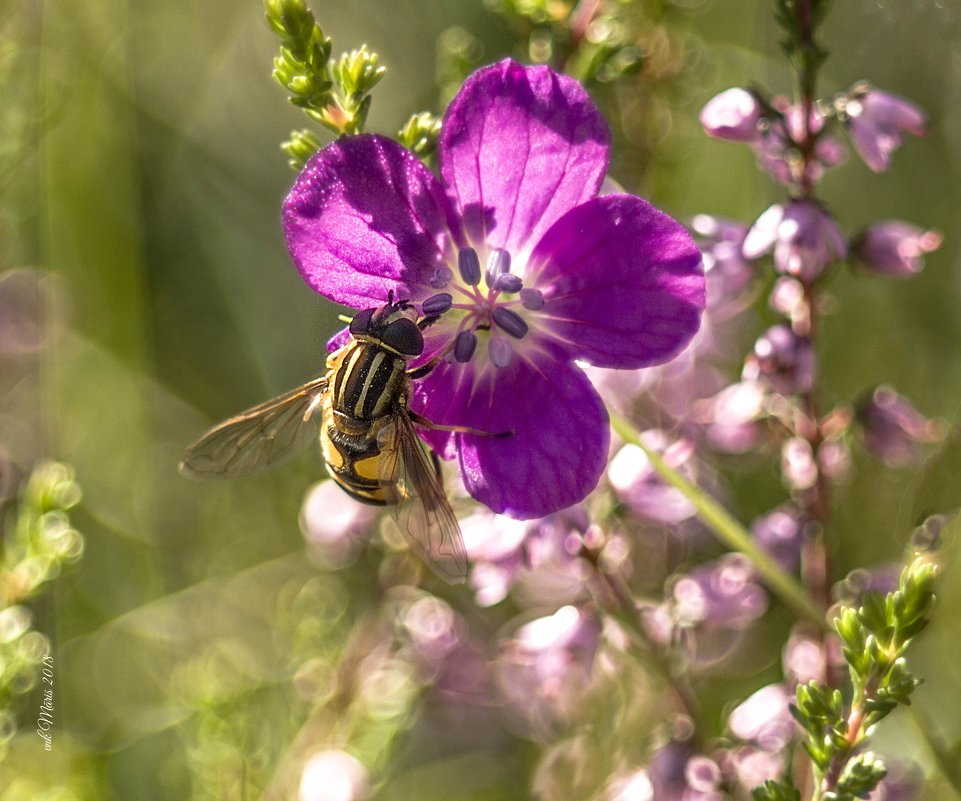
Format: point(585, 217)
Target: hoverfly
point(360, 410)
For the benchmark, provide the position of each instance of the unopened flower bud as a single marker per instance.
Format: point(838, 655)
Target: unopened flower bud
point(877, 122)
point(723, 594)
point(780, 533)
point(896, 248)
point(782, 360)
point(798, 466)
point(804, 237)
point(764, 718)
point(893, 428)
point(732, 115)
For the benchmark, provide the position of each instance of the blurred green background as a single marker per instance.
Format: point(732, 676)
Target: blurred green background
point(141, 175)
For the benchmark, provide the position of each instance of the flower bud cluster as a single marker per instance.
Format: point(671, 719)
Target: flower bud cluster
point(334, 93)
point(34, 548)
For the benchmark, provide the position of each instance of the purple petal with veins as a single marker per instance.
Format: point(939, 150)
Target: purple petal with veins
point(549, 463)
point(623, 283)
point(366, 216)
point(519, 147)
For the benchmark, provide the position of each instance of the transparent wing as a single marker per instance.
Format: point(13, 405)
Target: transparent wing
point(259, 437)
point(423, 511)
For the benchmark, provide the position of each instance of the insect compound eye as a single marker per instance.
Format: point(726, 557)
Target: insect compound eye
point(361, 322)
point(404, 336)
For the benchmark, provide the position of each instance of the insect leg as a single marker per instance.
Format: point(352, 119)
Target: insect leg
point(435, 459)
point(426, 367)
point(423, 422)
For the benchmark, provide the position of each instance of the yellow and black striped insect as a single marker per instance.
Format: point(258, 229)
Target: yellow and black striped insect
point(360, 410)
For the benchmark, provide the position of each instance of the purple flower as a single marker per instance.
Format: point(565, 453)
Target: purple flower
point(537, 558)
point(782, 360)
point(733, 114)
point(726, 270)
point(334, 525)
point(894, 429)
point(545, 669)
point(780, 533)
point(799, 468)
point(635, 786)
point(764, 718)
point(804, 237)
point(803, 658)
point(787, 298)
point(754, 766)
point(877, 122)
point(731, 417)
point(495, 545)
point(677, 774)
point(639, 485)
point(540, 272)
point(723, 594)
point(432, 629)
point(893, 247)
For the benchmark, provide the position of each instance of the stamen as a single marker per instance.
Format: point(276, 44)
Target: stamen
point(500, 351)
point(510, 321)
point(508, 282)
point(441, 277)
point(498, 262)
point(437, 304)
point(532, 299)
point(464, 346)
point(469, 265)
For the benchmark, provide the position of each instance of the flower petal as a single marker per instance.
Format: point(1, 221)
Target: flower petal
point(338, 340)
point(519, 147)
point(366, 216)
point(623, 283)
point(552, 460)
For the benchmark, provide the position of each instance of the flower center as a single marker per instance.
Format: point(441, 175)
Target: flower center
point(490, 300)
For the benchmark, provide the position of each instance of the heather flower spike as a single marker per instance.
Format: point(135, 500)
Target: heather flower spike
point(539, 269)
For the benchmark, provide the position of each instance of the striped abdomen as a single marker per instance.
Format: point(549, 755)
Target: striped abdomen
point(368, 383)
point(356, 462)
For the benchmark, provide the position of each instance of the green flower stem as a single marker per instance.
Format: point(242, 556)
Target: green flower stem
point(729, 531)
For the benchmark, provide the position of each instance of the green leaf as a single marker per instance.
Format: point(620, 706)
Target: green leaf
point(861, 775)
point(335, 95)
point(776, 791)
point(419, 134)
point(300, 147)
